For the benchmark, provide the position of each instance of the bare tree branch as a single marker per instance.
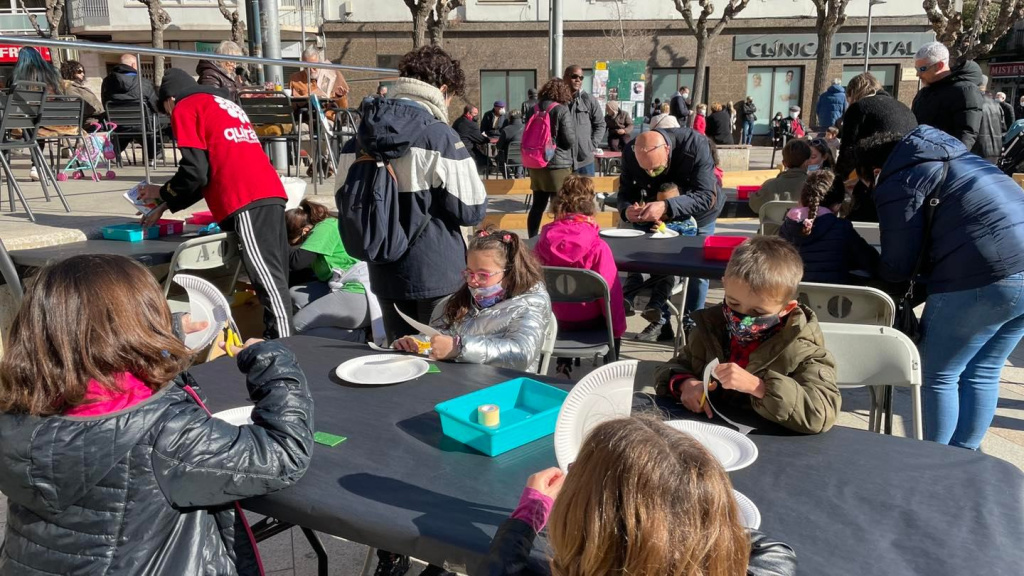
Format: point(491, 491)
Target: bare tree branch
point(32, 19)
point(420, 10)
point(437, 19)
point(976, 28)
point(237, 25)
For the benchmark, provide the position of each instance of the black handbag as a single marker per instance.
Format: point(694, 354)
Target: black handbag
point(906, 321)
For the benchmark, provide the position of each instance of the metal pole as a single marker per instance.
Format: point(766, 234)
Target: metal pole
point(314, 154)
point(275, 73)
point(556, 37)
point(257, 38)
point(867, 40)
point(142, 110)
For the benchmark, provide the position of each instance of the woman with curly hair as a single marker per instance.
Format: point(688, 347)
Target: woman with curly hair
point(72, 75)
point(545, 182)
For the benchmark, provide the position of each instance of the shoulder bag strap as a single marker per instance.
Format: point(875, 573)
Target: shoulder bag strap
point(931, 202)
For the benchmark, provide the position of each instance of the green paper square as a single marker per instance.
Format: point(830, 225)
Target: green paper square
point(328, 439)
point(434, 369)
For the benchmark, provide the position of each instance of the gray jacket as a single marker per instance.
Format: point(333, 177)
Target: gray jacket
point(590, 128)
point(508, 334)
point(563, 132)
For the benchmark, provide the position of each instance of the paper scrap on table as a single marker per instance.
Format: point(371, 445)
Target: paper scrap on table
point(709, 371)
point(423, 328)
point(328, 439)
point(433, 369)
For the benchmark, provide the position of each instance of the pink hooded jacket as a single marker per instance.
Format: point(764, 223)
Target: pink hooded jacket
point(572, 243)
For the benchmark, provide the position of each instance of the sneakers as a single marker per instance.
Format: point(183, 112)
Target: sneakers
point(33, 174)
point(394, 565)
point(656, 332)
point(653, 315)
point(628, 307)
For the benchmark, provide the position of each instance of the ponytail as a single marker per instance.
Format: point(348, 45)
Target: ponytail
point(816, 187)
point(307, 214)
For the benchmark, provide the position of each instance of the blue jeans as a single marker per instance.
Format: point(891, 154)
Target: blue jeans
point(968, 336)
point(748, 132)
point(697, 290)
point(587, 170)
point(661, 286)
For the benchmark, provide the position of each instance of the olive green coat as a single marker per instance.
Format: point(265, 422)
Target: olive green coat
point(798, 372)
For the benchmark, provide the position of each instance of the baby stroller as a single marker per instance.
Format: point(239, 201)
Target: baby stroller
point(97, 148)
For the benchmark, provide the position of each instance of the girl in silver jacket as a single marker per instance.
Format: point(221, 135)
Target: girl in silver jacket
point(500, 315)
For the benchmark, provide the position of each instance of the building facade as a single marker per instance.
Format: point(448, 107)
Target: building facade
point(766, 52)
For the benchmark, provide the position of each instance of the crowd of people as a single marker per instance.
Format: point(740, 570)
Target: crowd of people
point(125, 404)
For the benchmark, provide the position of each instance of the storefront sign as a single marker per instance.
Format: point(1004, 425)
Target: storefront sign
point(1004, 69)
point(844, 46)
point(9, 54)
point(207, 47)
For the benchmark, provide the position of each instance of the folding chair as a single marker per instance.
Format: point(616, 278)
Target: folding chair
point(876, 356)
point(513, 160)
point(772, 215)
point(580, 286)
point(212, 252)
point(848, 304)
point(129, 119)
point(548, 347)
point(10, 275)
point(62, 111)
point(273, 108)
point(21, 109)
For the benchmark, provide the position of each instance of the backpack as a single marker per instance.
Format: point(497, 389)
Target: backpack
point(368, 208)
point(538, 146)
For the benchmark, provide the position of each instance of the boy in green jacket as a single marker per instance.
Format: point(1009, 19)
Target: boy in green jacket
point(772, 353)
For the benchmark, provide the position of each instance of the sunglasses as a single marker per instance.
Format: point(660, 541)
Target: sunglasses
point(575, 77)
point(925, 68)
point(480, 277)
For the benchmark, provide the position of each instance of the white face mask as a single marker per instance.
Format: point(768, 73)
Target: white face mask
point(794, 115)
point(813, 168)
point(703, 112)
point(501, 111)
point(686, 94)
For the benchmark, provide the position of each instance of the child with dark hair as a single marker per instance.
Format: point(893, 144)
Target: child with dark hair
point(337, 299)
point(500, 315)
point(796, 157)
point(830, 246)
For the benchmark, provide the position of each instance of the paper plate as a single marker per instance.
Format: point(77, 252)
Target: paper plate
point(206, 303)
point(238, 416)
point(382, 369)
point(751, 516)
point(621, 233)
point(604, 394)
point(732, 449)
point(668, 233)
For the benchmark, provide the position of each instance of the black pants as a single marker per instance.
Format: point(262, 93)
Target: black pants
point(419, 310)
point(537, 210)
point(262, 233)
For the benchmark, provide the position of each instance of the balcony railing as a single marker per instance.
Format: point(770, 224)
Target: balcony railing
point(89, 13)
point(17, 22)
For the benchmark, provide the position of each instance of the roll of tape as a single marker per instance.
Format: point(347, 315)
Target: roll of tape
point(488, 415)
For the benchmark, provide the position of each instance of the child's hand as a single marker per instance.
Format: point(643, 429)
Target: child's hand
point(235, 350)
point(547, 482)
point(190, 327)
point(406, 344)
point(691, 394)
point(735, 378)
point(442, 347)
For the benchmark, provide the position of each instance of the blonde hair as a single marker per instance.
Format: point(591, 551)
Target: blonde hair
point(665, 108)
point(861, 86)
point(716, 107)
point(576, 196)
point(702, 106)
point(646, 500)
point(769, 265)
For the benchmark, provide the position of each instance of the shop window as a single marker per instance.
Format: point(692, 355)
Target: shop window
point(507, 85)
point(886, 74)
point(666, 81)
point(775, 89)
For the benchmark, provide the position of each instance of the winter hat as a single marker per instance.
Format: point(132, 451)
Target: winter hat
point(499, 103)
point(178, 84)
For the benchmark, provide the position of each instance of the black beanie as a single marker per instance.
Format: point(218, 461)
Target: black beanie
point(178, 84)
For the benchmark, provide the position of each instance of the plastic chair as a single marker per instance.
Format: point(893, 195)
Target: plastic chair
point(212, 252)
point(876, 356)
point(848, 304)
point(10, 275)
point(548, 346)
point(772, 215)
point(578, 285)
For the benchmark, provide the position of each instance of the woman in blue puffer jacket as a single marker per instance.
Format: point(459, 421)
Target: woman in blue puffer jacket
point(974, 313)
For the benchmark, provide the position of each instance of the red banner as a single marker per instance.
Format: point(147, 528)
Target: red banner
point(9, 53)
point(1004, 69)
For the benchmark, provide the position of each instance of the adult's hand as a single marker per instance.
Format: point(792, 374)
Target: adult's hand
point(633, 212)
point(653, 212)
point(149, 192)
point(153, 216)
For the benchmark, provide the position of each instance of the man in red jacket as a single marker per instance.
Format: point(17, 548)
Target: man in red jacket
point(223, 162)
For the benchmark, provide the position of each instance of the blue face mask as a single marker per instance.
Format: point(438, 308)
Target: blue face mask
point(488, 296)
point(813, 168)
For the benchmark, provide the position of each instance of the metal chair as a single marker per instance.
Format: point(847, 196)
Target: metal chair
point(772, 215)
point(513, 160)
point(10, 274)
point(578, 285)
point(130, 118)
point(848, 304)
point(273, 108)
point(876, 356)
point(212, 252)
point(21, 109)
point(62, 111)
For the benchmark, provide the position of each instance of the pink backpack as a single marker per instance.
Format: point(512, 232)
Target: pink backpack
point(538, 146)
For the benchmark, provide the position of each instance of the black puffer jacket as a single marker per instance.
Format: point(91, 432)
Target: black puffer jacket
point(211, 74)
point(832, 250)
point(122, 85)
point(990, 134)
point(149, 490)
point(512, 544)
point(953, 104)
point(719, 128)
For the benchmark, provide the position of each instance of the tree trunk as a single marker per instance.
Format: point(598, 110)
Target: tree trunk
point(699, 62)
point(823, 60)
point(158, 20)
point(419, 35)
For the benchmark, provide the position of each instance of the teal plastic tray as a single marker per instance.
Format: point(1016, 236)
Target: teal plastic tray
point(130, 232)
point(529, 410)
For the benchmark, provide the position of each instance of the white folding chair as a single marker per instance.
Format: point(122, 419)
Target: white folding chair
point(213, 252)
point(548, 346)
point(772, 215)
point(848, 304)
point(876, 356)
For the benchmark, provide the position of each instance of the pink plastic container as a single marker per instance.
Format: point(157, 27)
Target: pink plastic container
point(721, 247)
point(744, 192)
point(169, 227)
point(200, 218)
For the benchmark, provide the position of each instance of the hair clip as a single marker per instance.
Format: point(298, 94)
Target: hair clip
point(506, 238)
point(482, 233)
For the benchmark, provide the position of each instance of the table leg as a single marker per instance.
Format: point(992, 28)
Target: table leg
point(368, 563)
point(887, 409)
point(268, 528)
point(318, 548)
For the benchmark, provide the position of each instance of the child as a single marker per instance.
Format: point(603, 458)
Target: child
point(641, 498)
point(772, 353)
point(335, 300)
point(499, 317)
point(796, 157)
point(700, 123)
point(830, 246)
point(686, 227)
point(573, 241)
point(112, 465)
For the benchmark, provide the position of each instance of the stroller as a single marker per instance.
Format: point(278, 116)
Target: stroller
point(97, 148)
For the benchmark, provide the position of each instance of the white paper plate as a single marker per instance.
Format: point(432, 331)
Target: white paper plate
point(206, 303)
point(732, 449)
point(621, 233)
point(382, 369)
point(604, 394)
point(751, 516)
point(238, 416)
point(668, 233)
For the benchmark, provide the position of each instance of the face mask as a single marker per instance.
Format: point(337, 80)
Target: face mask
point(686, 95)
point(501, 111)
point(813, 168)
point(703, 113)
point(748, 329)
point(794, 115)
point(877, 176)
point(654, 173)
point(487, 296)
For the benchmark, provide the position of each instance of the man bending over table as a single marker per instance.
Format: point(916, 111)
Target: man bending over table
point(223, 162)
point(682, 157)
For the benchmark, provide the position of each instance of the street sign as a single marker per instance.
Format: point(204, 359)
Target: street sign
point(9, 53)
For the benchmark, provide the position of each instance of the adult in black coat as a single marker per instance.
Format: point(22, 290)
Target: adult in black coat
point(219, 75)
point(120, 89)
point(678, 106)
point(1008, 115)
point(871, 111)
point(511, 134)
point(494, 119)
point(950, 99)
point(719, 127)
point(471, 135)
point(989, 144)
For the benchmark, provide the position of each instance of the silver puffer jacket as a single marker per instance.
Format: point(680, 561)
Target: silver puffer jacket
point(509, 334)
